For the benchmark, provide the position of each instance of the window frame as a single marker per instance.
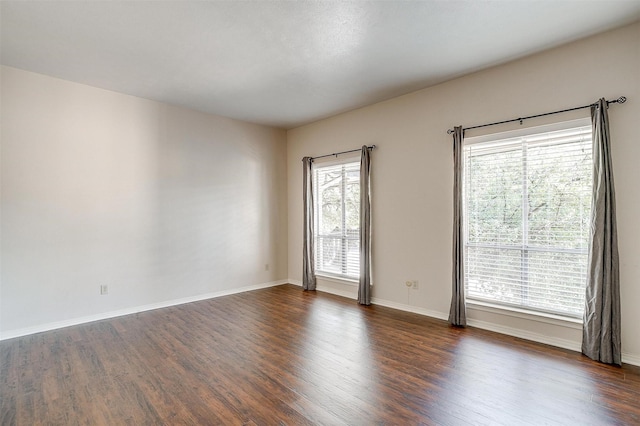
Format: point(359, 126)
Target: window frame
point(484, 303)
point(344, 239)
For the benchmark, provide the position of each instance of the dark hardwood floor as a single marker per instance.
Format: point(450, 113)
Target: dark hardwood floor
point(282, 356)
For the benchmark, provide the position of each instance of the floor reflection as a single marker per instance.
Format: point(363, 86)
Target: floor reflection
point(504, 384)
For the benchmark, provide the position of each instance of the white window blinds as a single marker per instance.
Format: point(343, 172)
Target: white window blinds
point(527, 209)
point(337, 239)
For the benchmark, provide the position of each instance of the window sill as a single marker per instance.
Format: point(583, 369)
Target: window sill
point(338, 280)
point(481, 305)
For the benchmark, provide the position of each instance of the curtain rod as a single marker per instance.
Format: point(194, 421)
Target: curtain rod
point(620, 100)
point(342, 152)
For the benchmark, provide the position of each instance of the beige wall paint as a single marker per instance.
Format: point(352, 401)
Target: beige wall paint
point(412, 171)
point(160, 203)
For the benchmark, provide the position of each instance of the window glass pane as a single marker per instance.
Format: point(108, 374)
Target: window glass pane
point(559, 195)
point(352, 200)
point(495, 206)
point(547, 281)
point(329, 254)
point(557, 281)
point(353, 257)
point(494, 274)
point(329, 189)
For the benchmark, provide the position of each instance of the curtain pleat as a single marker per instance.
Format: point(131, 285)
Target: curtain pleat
point(364, 287)
point(308, 255)
point(601, 325)
point(458, 311)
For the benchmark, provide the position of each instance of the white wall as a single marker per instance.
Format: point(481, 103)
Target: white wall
point(412, 172)
point(160, 203)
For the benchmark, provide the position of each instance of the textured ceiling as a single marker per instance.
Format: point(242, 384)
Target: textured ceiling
point(285, 63)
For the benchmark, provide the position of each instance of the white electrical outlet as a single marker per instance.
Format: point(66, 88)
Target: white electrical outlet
point(414, 284)
point(266, 266)
point(104, 289)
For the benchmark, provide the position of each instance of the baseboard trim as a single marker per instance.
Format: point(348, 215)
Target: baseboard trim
point(336, 292)
point(410, 308)
point(133, 310)
point(631, 359)
point(527, 335)
point(325, 289)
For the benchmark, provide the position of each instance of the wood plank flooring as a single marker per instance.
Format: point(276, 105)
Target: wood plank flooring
point(282, 356)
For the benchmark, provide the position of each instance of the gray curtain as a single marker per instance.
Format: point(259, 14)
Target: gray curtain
point(601, 325)
point(364, 288)
point(308, 255)
point(458, 311)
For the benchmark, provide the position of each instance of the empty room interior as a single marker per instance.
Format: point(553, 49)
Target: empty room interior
point(267, 213)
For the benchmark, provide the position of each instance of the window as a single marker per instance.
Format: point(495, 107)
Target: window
point(337, 215)
point(527, 202)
